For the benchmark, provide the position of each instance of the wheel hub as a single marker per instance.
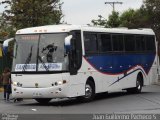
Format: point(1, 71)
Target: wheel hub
point(138, 85)
point(88, 91)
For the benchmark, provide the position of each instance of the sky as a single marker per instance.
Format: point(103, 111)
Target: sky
point(82, 12)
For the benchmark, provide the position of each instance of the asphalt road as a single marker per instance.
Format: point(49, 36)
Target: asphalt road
point(146, 102)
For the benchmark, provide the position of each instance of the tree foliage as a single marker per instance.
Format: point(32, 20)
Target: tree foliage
point(130, 18)
point(153, 9)
point(6, 29)
point(127, 18)
point(135, 18)
point(113, 20)
point(100, 21)
point(28, 13)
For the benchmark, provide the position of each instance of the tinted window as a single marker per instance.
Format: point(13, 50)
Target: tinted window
point(129, 42)
point(117, 41)
point(150, 43)
point(77, 53)
point(90, 42)
point(106, 44)
point(140, 43)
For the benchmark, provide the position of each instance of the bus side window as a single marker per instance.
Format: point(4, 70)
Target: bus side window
point(90, 43)
point(117, 42)
point(150, 43)
point(129, 41)
point(140, 43)
point(106, 43)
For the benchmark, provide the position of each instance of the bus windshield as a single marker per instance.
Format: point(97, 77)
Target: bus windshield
point(40, 52)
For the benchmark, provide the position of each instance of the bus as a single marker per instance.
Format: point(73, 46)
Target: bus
point(74, 61)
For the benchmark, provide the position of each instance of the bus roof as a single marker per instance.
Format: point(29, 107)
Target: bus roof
point(68, 28)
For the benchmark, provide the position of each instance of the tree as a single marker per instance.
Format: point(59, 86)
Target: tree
point(6, 29)
point(130, 18)
point(135, 18)
point(113, 20)
point(153, 9)
point(127, 18)
point(28, 13)
point(100, 22)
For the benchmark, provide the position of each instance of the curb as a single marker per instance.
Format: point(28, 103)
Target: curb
point(157, 83)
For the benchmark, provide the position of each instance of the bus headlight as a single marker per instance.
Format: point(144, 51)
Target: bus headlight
point(17, 84)
point(14, 83)
point(60, 82)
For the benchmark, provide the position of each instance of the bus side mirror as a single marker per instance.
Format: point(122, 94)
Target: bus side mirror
point(67, 43)
point(6, 45)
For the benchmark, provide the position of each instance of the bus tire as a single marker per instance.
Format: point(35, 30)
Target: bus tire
point(89, 92)
point(43, 100)
point(139, 85)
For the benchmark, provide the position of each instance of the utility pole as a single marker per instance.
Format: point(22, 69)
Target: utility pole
point(113, 4)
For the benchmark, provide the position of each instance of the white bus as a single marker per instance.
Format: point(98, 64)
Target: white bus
point(65, 61)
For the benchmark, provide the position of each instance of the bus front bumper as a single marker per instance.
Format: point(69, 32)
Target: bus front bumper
point(49, 92)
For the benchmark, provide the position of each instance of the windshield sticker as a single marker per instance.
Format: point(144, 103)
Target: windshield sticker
point(50, 66)
point(26, 67)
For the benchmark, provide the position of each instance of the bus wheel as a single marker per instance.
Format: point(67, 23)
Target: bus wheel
point(138, 87)
point(89, 92)
point(139, 84)
point(43, 100)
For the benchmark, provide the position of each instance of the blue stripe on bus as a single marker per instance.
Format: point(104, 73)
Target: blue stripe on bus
point(120, 63)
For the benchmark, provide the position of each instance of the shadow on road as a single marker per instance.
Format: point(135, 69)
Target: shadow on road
point(74, 101)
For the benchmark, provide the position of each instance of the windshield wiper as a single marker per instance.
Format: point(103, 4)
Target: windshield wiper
point(28, 59)
point(44, 65)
